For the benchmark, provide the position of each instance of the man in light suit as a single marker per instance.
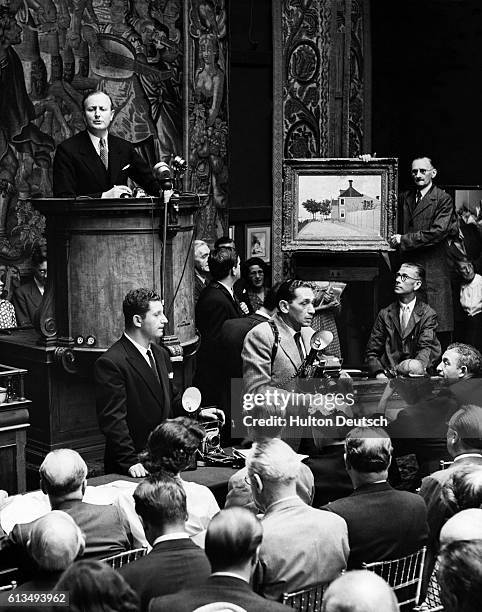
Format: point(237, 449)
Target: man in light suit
point(174, 562)
point(301, 545)
point(95, 163)
point(232, 543)
point(429, 230)
point(134, 384)
point(28, 297)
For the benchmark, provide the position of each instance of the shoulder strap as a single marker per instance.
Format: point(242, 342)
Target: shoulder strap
point(275, 331)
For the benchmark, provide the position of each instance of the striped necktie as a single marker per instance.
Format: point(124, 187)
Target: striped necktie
point(103, 153)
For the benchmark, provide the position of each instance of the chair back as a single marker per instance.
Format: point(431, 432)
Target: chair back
point(117, 561)
point(445, 464)
point(404, 575)
point(306, 600)
point(432, 602)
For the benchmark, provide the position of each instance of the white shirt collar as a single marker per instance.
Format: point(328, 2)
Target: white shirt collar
point(96, 142)
point(230, 289)
point(280, 501)
point(230, 574)
point(142, 350)
point(40, 287)
point(464, 455)
point(425, 190)
point(410, 306)
point(177, 535)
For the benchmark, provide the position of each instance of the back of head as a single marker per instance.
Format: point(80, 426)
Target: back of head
point(232, 538)
point(460, 576)
point(172, 444)
point(270, 297)
point(468, 356)
point(93, 586)
point(467, 423)
point(368, 450)
point(273, 461)
point(359, 591)
point(136, 302)
point(265, 419)
point(63, 471)
point(222, 261)
point(224, 242)
point(55, 541)
point(465, 525)
point(463, 490)
point(160, 501)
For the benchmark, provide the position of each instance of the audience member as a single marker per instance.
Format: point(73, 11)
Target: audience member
point(471, 303)
point(383, 523)
point(94, 586)
point(28, 297)
point(429, 230)
point(63, 476)
point(239, 489)
point(253, 279)
point(7, 311)
point(55, 541)
point(224, 242)
point(461, 367)
point(460, 576)
point(359, 591)
point(327, 306)
point(201, 267)
point(215, 305)
point(465, 525)
point(174, 562)
point(405, 329)
point(171, 448)
point(301, 545)
point(232, 542)
point(464, 489)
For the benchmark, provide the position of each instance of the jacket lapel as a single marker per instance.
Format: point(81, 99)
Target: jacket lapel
point(414, 319)
point(394, 314)
point(234, 301)
point(427, 200)
point(92, 160)
point(140, 365)
point(287, 342)
point(114, 160)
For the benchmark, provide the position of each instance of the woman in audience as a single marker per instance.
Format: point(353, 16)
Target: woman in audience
point(7, 311)
point(93, 586)
point(251, 286)
point(172, 447)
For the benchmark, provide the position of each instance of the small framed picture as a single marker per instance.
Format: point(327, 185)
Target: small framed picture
point(258, 242)
point(231, 232)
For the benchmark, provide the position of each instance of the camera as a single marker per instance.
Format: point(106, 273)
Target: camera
point(211, 442)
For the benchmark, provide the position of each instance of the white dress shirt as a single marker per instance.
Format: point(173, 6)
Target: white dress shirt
point(409, 308)
point(471, 296)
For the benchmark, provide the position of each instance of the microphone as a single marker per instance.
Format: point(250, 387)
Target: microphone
point(162, 171)
point(191, 399)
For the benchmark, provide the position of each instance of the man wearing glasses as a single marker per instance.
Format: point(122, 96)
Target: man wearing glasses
point(405, 329)
point(430, 229)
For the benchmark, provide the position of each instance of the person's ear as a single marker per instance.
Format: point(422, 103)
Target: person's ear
point(434, 172)
point(417, 285)
point(137, 320)
point(284, 306)
point(462, 371)
point(112, 113)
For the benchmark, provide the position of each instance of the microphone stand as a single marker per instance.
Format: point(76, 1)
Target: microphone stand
point(166, 185)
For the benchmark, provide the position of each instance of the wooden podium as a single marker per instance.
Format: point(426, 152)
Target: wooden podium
point(97, 251)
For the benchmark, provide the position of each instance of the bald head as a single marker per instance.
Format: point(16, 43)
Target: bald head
point(62, 474)
point(465, 525)
point(359, 591)
point(55, 541)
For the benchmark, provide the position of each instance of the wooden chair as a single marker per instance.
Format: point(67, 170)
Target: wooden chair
point(117, 561)
point(306, 600)
point(404, 575)
point(445, 464)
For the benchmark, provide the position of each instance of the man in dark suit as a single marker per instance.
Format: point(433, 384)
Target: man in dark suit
point(63, 475)
point(383, 523)
point(461, 368)
point(174, 562)
point(201, 267)
point(232, 541)
point(134, 384)
point(429, 230)
point(95, 163)
point(216, 305)
point(27, 297)
point(404, 330)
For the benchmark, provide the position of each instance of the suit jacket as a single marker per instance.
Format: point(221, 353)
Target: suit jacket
point(215, 589)
point(383, 523)
point(199, 285)
point(131, 401)
point(214, 307)
point(106, 529)
point(171, 565)
point(78, 169)
point(233, 333)
point(426, 231)
point(27, 299)
point(388, 346)
point(301, 546)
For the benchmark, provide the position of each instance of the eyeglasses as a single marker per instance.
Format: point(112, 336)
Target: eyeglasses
point(258, 273)
point(404, 277)
point(421, 170)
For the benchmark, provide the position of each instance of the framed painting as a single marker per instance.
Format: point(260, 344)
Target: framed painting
point(339, 204)
point(258, 242)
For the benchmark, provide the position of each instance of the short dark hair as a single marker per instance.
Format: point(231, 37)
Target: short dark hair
point(416, 266)
point(39, 255)
point(160, 500)
point(224, 241)
point(93, 93)
point(270, 297)
point(459, 573)
point(467, 422)
point(232, 537)
point(423, 156)
point(97, 587)
point(172, 444)
point(136, 302)
point(252, 261)
point(221, 261)
point(368, 449)
point(288, 287)
point(468, 356)
point(463, 489)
